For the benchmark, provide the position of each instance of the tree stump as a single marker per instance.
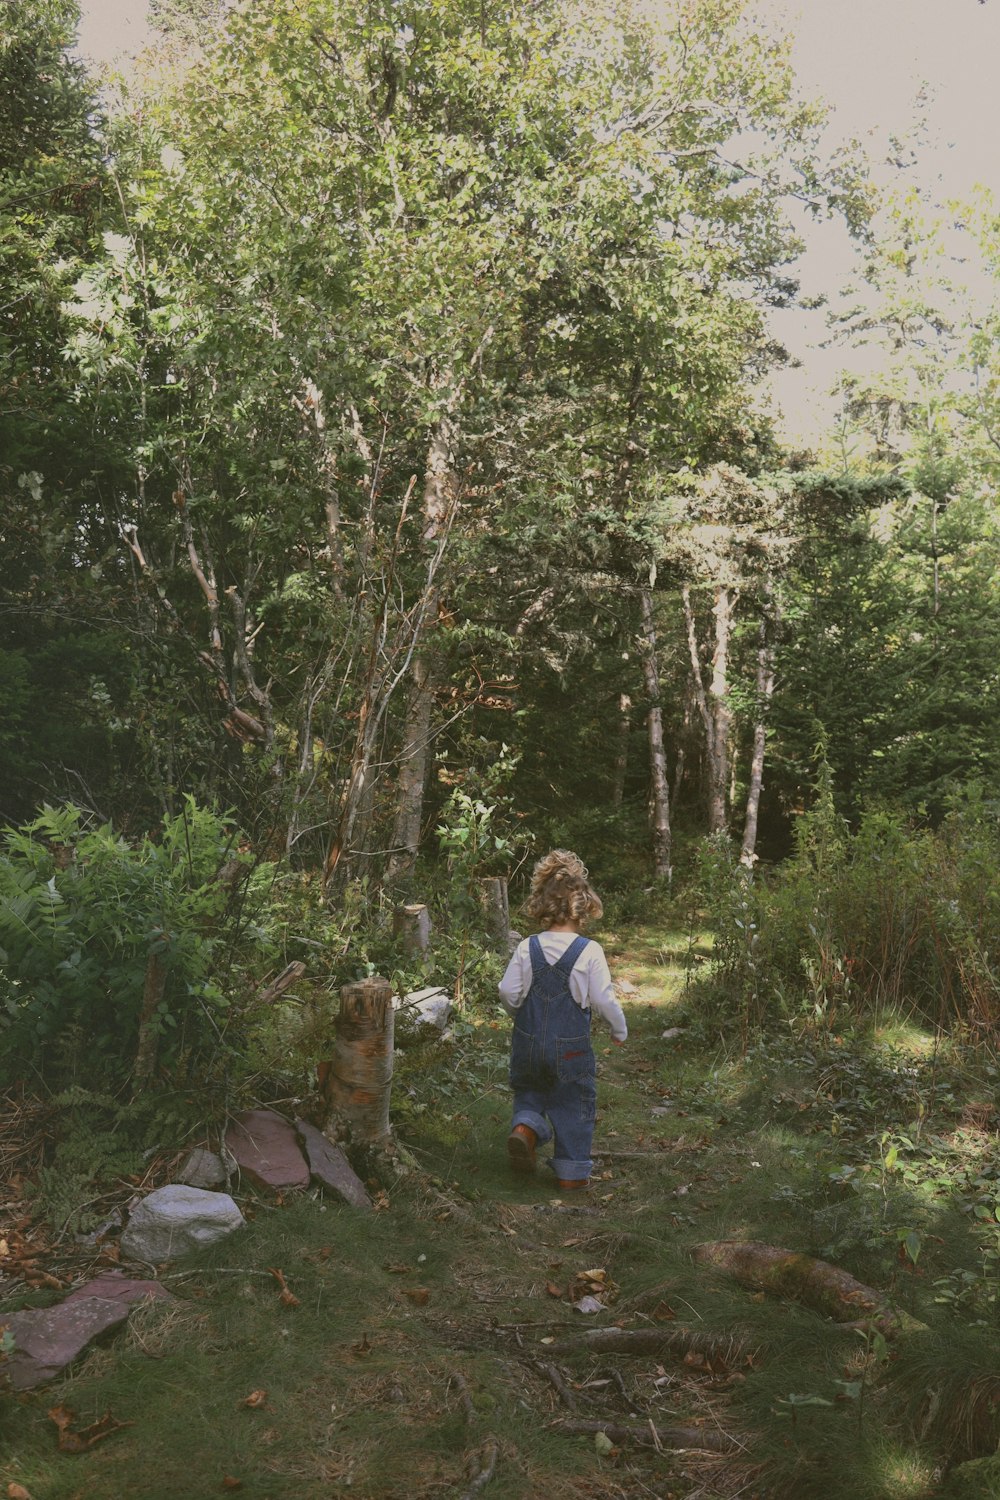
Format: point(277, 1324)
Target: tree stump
point(359, 1082)
point(496, 908)
point(412, 924)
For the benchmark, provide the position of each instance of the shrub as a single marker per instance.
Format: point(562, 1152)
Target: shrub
point(889, 917)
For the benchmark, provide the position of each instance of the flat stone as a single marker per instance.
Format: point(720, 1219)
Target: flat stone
point(178, 1220)
point(330, 1167)
point(672, 1033)
point(267, 1150)
point(203, 1169)
point(624, 987)
point(47, 1339)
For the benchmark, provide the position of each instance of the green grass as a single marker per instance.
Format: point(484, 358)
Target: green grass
point(853, 1149)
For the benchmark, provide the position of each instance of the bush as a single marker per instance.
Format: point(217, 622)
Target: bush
point(106, 946)
point(890, 917)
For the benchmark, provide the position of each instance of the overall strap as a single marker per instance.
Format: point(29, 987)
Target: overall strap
point(538, 962)
point(569, 958)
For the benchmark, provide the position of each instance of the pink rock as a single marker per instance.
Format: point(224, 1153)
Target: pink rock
point(47, 1339)
point(266, 1150)
point(330, 1166)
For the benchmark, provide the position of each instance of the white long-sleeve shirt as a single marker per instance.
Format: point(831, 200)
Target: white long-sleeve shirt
point(589, 982)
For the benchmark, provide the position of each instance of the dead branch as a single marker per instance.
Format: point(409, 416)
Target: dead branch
point(288, 976)
point(670, 1343)
point(647, 1435)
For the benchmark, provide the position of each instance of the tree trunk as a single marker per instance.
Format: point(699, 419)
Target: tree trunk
point(621, 750)
point(765, 690)
point(413, 768)
point(440, 493)
point(359, 1084)
point(153, 988)
point(713, 706)
point(659, 792)
point(718, 760)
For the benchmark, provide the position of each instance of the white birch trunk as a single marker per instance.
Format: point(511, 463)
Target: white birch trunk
point(765, 690)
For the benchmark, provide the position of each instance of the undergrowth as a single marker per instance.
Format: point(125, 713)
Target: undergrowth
point(875, 1149)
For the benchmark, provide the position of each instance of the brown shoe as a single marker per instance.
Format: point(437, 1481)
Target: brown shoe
point(573, 1185)
point(521, 1148)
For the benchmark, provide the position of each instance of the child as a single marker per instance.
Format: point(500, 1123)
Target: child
point(553, 983)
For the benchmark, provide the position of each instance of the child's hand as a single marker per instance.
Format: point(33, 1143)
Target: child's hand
point(617, 1042)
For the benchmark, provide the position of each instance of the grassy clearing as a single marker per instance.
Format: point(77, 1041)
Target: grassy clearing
point(422, 1333)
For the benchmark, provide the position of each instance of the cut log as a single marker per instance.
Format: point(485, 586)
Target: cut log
point(359, 1082)
point(496, 909)
point(412, 925)
point(788, 1273)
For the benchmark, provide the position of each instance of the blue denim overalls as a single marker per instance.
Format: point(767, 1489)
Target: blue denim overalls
point(552, 1063)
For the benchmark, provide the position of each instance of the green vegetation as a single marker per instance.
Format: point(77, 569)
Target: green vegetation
point(872, 1152)
point(388, 495)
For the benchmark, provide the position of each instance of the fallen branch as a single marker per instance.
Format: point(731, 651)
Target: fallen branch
point(481, 1464)
point(658, 1342)
point(482, 1467)
point(650, 1436)
point(288, 976)
point(554, 1378)
point(787, 1273)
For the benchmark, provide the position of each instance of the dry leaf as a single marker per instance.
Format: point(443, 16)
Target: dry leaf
point(398, 1270)
point(285, 1296)
point(418, 1294)
point(552, 1289)
point(229, 1483)
point(255, 1399)
point(79, 1442)
point(17, 1492)
point(663, 1313)
point(363, 1347)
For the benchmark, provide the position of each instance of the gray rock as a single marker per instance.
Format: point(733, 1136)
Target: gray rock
point(267, 1150)
point(47, 1339)
point(513, 938)
point(423, 1012)
point(177, 1220)
point(203, 1169)
point(330, 1167)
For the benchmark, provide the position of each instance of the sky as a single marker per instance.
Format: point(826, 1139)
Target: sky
point(870, 60)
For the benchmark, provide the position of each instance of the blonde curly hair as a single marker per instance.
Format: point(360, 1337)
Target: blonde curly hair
point(561, 892)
